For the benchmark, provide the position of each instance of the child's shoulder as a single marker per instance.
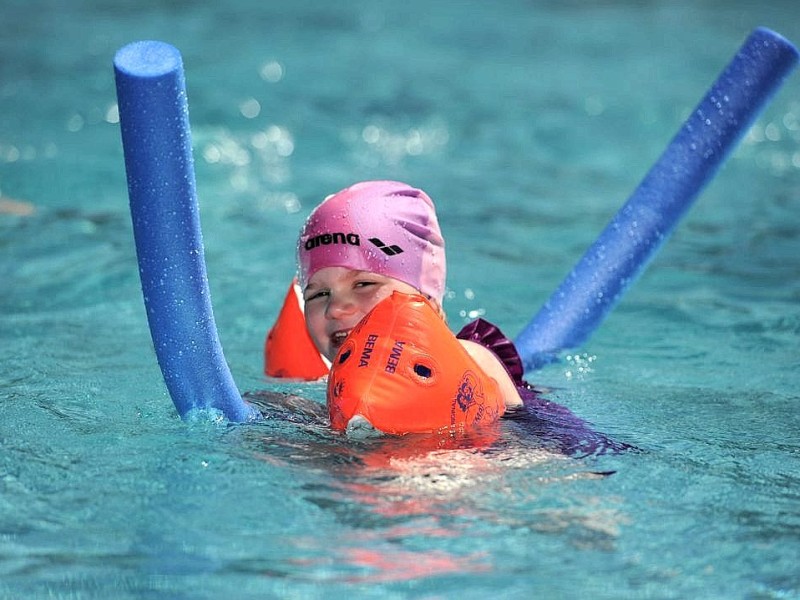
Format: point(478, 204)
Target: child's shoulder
point(489, 336)
point(490, 364)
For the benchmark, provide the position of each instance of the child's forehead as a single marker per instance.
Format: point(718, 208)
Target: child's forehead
point(328, 275)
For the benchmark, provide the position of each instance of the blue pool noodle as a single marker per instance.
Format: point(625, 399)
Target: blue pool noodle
point(154, 118)
point(624, 248)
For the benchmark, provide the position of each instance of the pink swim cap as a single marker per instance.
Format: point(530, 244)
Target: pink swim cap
point(384, 227)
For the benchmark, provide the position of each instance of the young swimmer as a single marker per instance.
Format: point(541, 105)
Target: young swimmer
point(378, 237)
point(362, 244)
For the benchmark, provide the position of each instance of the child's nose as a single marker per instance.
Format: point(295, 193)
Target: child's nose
point(339, 305)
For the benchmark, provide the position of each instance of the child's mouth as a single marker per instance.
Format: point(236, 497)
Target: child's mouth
point(337, 338)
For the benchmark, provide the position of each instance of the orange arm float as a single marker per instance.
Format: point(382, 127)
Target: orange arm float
point(404, 371)
point(288, 350)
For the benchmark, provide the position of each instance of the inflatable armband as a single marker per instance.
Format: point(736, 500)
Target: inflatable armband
point(404, 371)
point(288, 350)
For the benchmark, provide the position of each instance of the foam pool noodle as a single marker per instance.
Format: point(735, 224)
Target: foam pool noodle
point(595, 285)
point(154, 119)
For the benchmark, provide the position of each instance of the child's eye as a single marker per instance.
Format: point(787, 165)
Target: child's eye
point(364, 284)
point(314, 295)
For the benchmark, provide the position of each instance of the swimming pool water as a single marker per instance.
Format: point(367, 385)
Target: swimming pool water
point(529, 124)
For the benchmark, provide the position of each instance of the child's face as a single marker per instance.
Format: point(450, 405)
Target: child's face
point(337, 298)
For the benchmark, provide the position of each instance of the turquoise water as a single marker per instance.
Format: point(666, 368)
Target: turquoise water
point(529, 125)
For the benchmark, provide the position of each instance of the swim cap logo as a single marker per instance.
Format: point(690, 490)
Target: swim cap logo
point(388, 250)
point(326, 239)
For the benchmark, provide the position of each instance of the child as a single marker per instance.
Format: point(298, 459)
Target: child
point(364, 243)
point(377, 237)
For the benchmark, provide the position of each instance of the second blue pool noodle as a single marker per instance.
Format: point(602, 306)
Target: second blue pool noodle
point(156, 139)
point(692, 158)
